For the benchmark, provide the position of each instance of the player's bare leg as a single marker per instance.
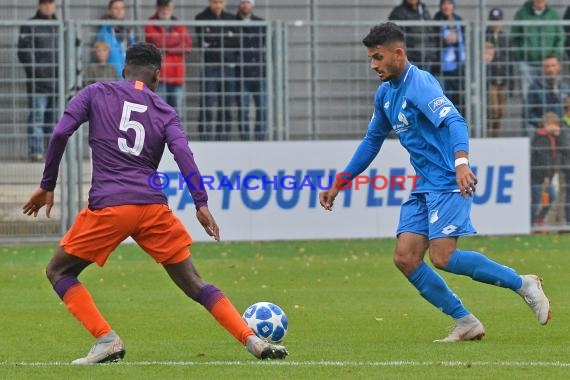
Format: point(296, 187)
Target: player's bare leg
point(409, 258)
point(62, 271)
point(185, 275)
point(410, 251)
point(445, 255)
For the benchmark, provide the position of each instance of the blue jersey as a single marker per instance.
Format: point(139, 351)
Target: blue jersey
point(415, 108)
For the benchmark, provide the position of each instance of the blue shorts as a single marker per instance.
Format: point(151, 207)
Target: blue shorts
point(436, 215)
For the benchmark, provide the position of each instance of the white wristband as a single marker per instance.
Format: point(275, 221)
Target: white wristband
point(461, 161)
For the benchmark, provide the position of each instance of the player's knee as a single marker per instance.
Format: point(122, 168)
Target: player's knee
point(405, 261)
point(185, 275)
point(399, 260)
point(51, 273)
point(55, 272)
point(439, 263)
point(193, 292)
point(439, 258)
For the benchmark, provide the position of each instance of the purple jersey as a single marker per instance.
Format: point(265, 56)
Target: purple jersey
point(129, 126)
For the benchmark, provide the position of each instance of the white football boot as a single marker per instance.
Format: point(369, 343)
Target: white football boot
point(108, 348)
point(264, 350)
point(466, 328)
point(532, 293)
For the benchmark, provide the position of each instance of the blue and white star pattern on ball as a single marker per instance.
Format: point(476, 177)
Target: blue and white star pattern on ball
point(267, 320)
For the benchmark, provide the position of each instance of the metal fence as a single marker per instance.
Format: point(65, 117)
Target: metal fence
point(332, 86)
point(24, 134)
point(264, 81)
point(219, 76)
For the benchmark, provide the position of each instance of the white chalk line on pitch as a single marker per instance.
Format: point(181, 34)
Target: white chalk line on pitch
point(286, 363)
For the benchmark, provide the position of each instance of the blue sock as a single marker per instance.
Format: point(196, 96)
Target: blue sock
point(482, 269)
point(434, 289)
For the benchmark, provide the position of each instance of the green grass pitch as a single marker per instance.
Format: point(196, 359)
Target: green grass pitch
point(351, 313)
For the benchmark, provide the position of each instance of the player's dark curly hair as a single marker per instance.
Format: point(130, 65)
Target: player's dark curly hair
point(383, 34)
point(143, 54)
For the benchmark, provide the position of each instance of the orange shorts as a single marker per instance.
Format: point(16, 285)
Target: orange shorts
point(96, 233)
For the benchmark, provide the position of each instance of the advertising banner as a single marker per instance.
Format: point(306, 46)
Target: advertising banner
point(269, 190)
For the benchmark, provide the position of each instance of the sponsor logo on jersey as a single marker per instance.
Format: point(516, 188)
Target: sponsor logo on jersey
point(404, 104)
point(437, 103)
point(387, 105)
point(403, 119)
point(403, 124)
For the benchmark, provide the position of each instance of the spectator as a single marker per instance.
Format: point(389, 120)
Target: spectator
point(118, 37)
point(452, 53)
point(565, 178)
point(174, 42)
point(566, 116)
point(532, 43)
point(38, 53)
point(251, 72)
point(100, 71)
point(421, 50)
point(219, 44)
point(547, 93)
point(497, 73)
point(567, 30)
point(545, 161)
point(489, 57)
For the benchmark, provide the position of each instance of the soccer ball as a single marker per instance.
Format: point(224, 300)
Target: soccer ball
point(267, 320)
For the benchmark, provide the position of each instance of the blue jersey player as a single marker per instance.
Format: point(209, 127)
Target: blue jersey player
point(411, 102)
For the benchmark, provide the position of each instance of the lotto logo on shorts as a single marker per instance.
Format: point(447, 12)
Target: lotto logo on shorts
point(449, 229)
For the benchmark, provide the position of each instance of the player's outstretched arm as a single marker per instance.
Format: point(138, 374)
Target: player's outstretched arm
point(207, 221)
point(39, 198)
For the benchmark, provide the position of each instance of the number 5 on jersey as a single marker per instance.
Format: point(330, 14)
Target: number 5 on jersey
point(127, 124)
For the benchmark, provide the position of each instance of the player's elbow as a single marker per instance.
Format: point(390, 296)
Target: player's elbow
point(59, 136)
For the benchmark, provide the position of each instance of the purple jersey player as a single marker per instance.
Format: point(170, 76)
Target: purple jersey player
point(128, 127)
